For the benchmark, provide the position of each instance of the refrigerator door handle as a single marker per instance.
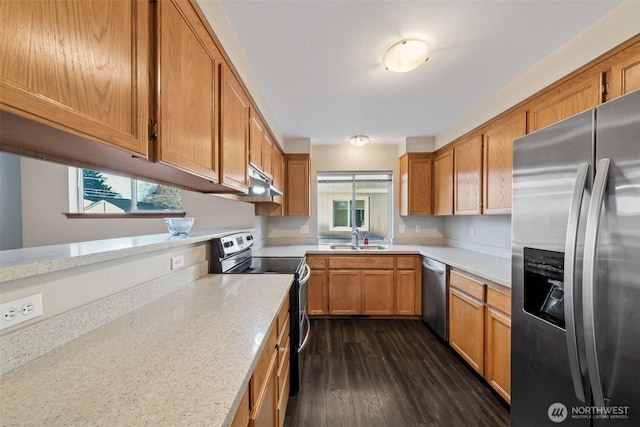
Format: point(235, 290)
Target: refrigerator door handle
point(589, 278)
point(569, 279)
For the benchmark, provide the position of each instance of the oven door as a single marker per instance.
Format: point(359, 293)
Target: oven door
point(303, 319)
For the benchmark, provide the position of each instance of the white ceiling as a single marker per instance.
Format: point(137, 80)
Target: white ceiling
point(319, 63)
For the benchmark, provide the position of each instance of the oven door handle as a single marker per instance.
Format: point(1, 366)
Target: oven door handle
point(307, 274)
point(306, 338)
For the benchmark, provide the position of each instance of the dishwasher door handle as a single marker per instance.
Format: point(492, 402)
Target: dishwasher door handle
point(432, 268)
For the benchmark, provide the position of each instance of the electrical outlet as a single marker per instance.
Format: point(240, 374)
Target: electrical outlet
point(402, 229)
point(177, 262)
point(304, 229)
point(20, 310)
point(472, 232)
point(418, 229)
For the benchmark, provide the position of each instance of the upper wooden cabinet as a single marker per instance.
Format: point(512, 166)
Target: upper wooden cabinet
point(79, 66)
point(443, 183)
point(234, 131)
point(297, 184)
point(256, 136)
point(467, 172)
point(625, 72)
point(188, 87)
point(415, 184)
point(498, 161)
point(579, 94)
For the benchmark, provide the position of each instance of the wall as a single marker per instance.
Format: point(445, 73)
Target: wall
point(491, 233)
point(10, 202)
point(611, 30)
point(345, 157)
point(45, 197)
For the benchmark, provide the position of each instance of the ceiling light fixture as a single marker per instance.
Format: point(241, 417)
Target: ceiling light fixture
point(359, 140)
point(406, 55)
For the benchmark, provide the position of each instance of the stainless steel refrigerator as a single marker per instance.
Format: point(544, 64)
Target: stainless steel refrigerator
point(576, 270)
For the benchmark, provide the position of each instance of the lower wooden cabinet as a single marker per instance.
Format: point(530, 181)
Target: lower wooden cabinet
point(264, 403)
point(480, 329)
point(348, 285)
point(466, 328)
point(497, 364)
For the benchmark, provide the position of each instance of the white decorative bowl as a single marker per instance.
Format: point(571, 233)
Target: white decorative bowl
point(179, 226)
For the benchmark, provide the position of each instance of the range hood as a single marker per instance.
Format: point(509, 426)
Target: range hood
point(260, 185)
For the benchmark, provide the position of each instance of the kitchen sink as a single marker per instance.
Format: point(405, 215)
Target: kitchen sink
point(358, 247)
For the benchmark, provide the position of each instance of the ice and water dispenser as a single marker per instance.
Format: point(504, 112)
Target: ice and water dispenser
point(544, 285)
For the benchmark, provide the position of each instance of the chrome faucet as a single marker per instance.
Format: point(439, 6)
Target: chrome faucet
point(355, 239)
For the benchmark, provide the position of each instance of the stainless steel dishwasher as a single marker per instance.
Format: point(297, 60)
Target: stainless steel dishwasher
point(435, 296)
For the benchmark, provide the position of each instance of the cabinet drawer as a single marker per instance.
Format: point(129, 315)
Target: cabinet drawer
point(317, 262)
point(406, 263)
point(283, 396)
point(283, 317)
point(467, 285)
point(283, 345)
point(262, 367)
point(361, 262)
point(499, 301)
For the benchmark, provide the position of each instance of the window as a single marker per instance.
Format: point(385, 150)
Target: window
point(106, 193)
point(348, 201)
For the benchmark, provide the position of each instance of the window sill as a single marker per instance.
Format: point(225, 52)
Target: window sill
point(71, 215)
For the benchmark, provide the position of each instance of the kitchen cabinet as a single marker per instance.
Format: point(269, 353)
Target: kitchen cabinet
point(466, 319)
point(415, 184)
point(373, 285)
point(377, 292)
point(625, 72)
point(264, 413)
point(278, 174)
point(283, 347)
point(188, 107)
point(256, 136)
point(241, 418)
point(345, 292)
point(260, 144)
point(408, 293)
point(79, 66)
point(297, 184)
point(443, 183)
point(317, 287)
point(498, 161)
point(234, 131)
point(467, 172)
point(579, 94)
point(497, 370)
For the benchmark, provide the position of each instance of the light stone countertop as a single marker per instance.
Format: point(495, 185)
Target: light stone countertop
point(493, 268)
point(20, 263)
point(184, 359)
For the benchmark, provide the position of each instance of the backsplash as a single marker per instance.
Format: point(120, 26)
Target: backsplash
point(490, 234)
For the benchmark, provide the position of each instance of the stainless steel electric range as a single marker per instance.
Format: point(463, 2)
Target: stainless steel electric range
point(232, 255)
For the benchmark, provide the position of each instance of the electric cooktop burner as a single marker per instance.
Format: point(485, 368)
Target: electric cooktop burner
point(261, 265)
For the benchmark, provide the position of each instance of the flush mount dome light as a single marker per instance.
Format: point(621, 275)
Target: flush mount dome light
point(406, 55)
point(359, 140)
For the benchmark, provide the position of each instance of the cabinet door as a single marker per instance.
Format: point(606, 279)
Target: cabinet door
point(267, 154)
point(80, 66)
point(317, 293)
point(415, 184)
point(406, 298)
point(498, 352)
point(575, 96)
point(297, 186)
point(443, 183)
point(234, 126)
point(188, 115)
point(256, 135)
point(377, 289)
point(264, 412)
point(345, 296)
point(625, 72)
point(498, 162)
point(467, 162)
point(466, 328)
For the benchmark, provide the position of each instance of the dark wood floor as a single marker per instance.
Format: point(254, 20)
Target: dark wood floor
point(361, 372)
